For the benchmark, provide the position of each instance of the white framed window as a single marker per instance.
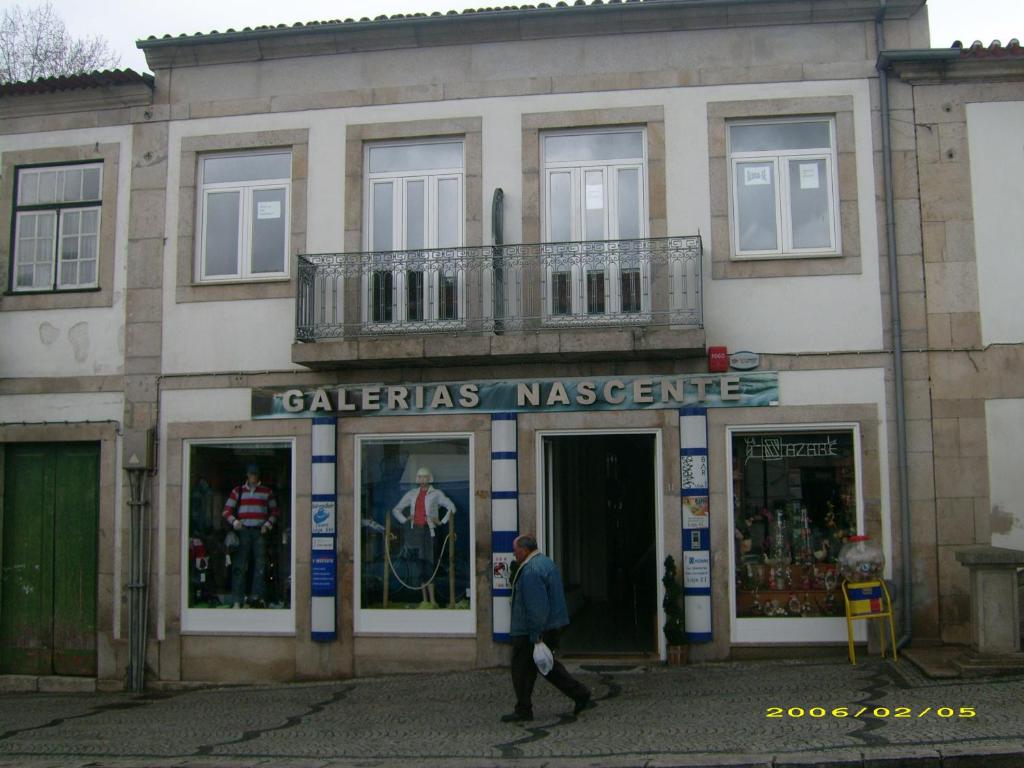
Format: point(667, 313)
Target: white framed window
point(414, 534)
point(244, 204)
point(57, 227)
point(251, 565)
point(594, 189)
point(795, 495)
point(415, 209)
point(785, 196)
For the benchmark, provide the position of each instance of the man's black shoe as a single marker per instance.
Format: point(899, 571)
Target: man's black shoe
point(583, 704)
point(516, 717)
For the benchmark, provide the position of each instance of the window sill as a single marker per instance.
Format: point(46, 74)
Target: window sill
point(237, 290)
point(78, 298)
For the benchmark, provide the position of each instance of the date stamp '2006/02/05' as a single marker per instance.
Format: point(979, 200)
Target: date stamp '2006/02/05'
point(865, 710)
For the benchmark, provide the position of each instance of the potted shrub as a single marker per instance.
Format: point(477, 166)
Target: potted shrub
point(675, 630)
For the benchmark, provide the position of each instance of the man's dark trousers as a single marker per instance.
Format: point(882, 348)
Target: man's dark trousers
point(524, 673)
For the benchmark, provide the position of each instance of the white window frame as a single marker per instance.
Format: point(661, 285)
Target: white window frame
point(779, 161)
point(815, 629)
point(441, 621)
point(609, 170)
point(245, 190)
point(430, 295)
point(225, 621)
point(58, 210)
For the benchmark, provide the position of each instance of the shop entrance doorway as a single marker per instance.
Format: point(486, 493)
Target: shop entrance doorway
point(600, 528)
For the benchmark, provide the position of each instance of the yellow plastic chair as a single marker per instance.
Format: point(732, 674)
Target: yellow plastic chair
point(868, 600)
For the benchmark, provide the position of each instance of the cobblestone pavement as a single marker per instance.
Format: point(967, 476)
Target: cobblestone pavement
point(702, 714)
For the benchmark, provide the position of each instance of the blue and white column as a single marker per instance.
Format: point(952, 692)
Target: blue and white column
point(504, 517)
point(323, 525)
point(693, 486)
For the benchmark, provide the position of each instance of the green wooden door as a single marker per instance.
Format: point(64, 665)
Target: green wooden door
point(49, 559)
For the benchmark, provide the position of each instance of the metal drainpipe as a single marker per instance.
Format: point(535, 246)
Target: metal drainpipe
point(138, 588)
point(906, 590)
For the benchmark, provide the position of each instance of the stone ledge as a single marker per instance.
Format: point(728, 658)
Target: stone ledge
point(569, 345)
point(985, 555)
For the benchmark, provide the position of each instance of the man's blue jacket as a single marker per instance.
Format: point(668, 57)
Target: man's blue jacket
point(538, 600)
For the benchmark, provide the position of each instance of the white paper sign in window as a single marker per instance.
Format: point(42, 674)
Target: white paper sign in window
point(809, 178)
point(268, 210)
point(757, 175)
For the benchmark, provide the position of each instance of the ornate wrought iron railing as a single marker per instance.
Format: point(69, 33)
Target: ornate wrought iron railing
point(501, 289)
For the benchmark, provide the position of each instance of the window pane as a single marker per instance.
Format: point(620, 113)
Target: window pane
point(416, 157)
point(68, 273)
point(595, 292)
point(779, 136)
point(755, 202)
point(561, 293)
point(808, 199)
point(560, 206)
point(381, 288)
point(630, 279)
point(383, 211)
point(594, 205)
point(448, 302)
point(629, 203)
point(70, 222)
point(28, 193)
point(47, 187)
point(90, 222)
point(34, 249)
point(269, 219)
point(221, 246)
point(87, 272)
point(449, 212)
point(794, 505)
point(415, 526)
point(91, 184)
point(72, 185)
point(585, 147)
point(415, 215)
point(263, 167)
point(415, 282)
point(245, 568)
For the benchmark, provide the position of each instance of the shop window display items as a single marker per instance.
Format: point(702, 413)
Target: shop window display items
point(414, 524)
point(794, 505)
point(239, 526)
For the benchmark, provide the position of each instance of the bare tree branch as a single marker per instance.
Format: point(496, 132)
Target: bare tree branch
point(35, 43)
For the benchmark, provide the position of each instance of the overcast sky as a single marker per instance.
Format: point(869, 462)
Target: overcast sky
point(123, 22)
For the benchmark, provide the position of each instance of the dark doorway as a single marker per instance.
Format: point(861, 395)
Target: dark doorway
point(600, 509)
point(48, 561)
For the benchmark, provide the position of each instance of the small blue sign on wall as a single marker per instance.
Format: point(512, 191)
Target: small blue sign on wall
point(324, 573)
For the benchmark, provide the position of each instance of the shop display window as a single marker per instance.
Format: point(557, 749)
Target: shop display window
point(415, 534)
point(238, 543)
point(794, 504)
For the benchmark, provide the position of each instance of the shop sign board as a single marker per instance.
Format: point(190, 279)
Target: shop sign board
point(744, 361)
point(603, 393)
point(324, 571)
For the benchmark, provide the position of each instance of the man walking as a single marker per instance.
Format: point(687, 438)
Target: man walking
point(538, 614)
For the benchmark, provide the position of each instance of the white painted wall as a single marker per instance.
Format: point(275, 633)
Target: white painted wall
point(72, 342)
point(996, 143)
point(1004, 426)
point(55, 408)
point(804, 314)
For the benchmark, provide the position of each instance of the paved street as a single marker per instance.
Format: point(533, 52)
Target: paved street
point(701, 714)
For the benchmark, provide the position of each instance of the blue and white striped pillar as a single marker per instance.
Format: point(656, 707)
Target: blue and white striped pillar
point(504, 517)
point(693, 486)
point(323, 527)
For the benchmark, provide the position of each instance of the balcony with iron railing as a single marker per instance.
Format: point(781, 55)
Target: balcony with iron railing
point(572, 301)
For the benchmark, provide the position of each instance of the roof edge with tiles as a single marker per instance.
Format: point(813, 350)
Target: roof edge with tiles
point(729, 12)
point(109, 78)
point(957, 63)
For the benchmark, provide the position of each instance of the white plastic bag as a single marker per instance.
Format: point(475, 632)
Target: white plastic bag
point(542, 657)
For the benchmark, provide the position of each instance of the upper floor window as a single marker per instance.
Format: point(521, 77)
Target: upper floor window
point(784, 188)
point(243, 209)
point(595, 190)
point(415, 209)
point(57, 227)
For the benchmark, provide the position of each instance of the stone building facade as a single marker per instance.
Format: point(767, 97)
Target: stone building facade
point(507, 248)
